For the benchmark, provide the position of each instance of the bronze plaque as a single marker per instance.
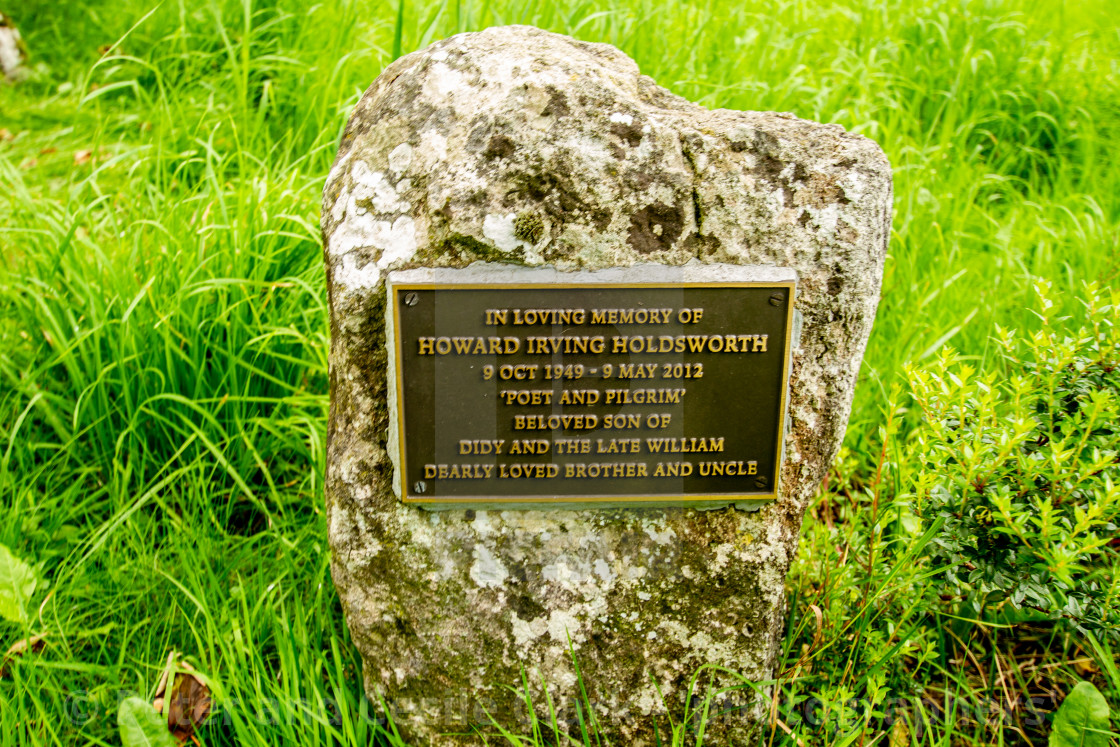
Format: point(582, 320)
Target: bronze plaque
point(590, 393)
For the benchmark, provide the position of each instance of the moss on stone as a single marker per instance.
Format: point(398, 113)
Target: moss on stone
point(528, 226)
point(473, 249)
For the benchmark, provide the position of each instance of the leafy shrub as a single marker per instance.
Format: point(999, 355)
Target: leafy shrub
point(1021, 469)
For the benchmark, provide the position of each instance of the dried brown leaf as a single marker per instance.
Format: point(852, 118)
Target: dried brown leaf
point(186, 702)
point(188, 707)
point(161, 688)
point(1086, 667)
point(33, 645)
point(83, 156)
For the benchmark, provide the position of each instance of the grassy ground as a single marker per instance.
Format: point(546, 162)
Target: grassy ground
point(163, 333)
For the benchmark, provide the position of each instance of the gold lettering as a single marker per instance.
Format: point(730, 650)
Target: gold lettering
point(528, 471)
point(526, 397)
point(726, 469)
point(580, 396)
point(673, 469)
point(555, 422)
point(573, 445)
point(530, 446)
point(482, 447)
point(688, 445)
point(618, 445)
point(468, 345)
point(595, 470)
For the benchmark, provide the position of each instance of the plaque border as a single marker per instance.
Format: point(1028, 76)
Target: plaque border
point(557, 280)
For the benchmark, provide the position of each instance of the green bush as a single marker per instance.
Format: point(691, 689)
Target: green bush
point(1020, 466)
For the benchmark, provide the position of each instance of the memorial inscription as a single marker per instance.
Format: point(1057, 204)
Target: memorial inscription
point(588, 392)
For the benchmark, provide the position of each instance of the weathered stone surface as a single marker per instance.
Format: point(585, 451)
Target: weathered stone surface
point(518, 146)
point(13, 52)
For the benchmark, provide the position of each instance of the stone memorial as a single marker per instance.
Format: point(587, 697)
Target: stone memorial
point(593, 348)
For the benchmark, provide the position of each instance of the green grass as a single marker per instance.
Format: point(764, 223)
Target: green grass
point(163, 327)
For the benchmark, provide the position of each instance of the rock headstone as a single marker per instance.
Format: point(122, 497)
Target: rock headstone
point(520, 148)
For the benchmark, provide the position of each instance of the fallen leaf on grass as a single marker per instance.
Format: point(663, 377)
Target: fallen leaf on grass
point(83, 156)
point(6, 135)
point(900, 734)
point(48, 150)
point(161, 688)
point(188, 705)
point(1086, 667)
point(34, 645)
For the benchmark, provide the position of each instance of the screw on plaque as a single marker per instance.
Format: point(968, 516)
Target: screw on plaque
point(410, 299)
point(420, 487)
point(761, 482)
point(776, 299)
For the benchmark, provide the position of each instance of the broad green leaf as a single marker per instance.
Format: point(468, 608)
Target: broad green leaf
point(1082, 719)
point(17, 583)
point(141, 726)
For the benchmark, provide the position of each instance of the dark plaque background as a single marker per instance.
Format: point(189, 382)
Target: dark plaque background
point(444, 398)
